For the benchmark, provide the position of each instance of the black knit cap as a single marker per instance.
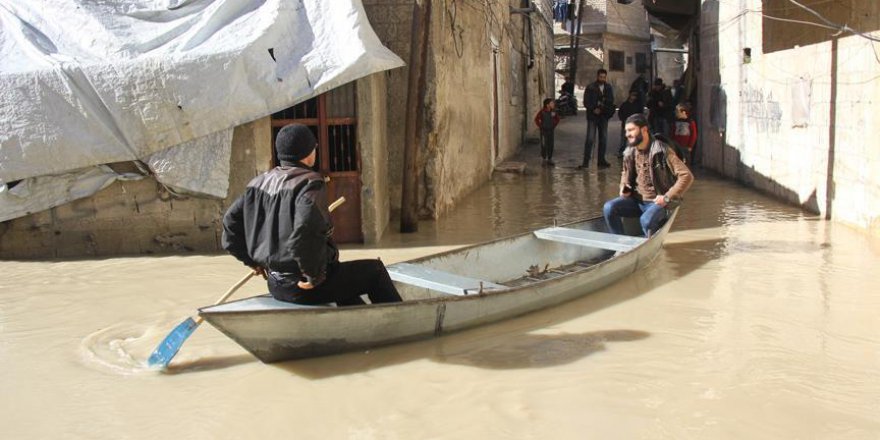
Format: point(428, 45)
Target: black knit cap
point(294, 143)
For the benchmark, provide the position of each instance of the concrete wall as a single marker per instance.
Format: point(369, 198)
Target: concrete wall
point(138, 217)
point(795, 120)
point(373, 147)
point(477, 65)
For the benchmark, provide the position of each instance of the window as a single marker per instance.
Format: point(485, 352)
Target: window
point(615, 60)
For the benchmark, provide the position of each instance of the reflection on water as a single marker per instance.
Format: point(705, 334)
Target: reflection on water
point(756, 321)
point(539, 350)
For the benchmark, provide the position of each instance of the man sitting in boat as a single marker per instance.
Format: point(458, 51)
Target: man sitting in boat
point(653, 176)
point(281, 228)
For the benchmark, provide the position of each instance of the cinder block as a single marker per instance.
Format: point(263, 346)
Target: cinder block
point(74, 211)
point(74, 244)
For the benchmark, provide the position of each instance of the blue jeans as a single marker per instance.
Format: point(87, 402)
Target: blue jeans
point(651, 216)
point(596, 127)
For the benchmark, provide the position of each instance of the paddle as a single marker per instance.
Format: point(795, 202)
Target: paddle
point(169, 346)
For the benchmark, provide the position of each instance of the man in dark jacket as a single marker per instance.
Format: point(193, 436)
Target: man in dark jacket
point(281, 228)
point(640, 85)
point(599, 102)
point(661, 111)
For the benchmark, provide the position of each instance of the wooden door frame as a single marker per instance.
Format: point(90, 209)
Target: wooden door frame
point(352, 206)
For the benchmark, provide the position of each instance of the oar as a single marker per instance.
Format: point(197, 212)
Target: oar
point(169, 346)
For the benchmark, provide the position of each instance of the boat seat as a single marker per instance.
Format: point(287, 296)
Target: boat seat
point(438, 280)
point(583, 237)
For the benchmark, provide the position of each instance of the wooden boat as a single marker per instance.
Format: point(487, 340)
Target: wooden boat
point(446, 292)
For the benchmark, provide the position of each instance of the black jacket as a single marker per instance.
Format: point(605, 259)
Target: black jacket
point(665, 96)
point(282, 223)
point(628, 109)
point(595, 98)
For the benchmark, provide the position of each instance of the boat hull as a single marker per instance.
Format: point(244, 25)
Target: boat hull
point(276, 331)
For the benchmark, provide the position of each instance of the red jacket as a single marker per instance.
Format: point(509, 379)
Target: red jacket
point(684, 133)
point(539, 117)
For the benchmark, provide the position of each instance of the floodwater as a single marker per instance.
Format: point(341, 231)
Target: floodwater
point(756, 321)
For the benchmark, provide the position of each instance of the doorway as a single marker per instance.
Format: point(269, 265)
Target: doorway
point(332, 117)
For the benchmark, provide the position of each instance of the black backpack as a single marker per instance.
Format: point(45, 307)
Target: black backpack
point(680, 151)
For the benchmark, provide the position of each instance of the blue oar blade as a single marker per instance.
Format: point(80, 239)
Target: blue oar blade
point(169, 347)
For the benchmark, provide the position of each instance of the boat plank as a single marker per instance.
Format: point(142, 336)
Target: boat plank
point(583, 237)
point(438, 280)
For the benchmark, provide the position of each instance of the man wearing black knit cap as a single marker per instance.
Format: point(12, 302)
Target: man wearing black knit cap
point(281, 228)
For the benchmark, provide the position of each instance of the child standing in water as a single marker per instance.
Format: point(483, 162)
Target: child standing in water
point(546, 120)
point(684, 132)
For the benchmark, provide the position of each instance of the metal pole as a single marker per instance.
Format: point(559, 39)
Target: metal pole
point(409, 203)
point(577, 42)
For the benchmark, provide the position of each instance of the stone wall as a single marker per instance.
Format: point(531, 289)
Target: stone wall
point(792, 117)
point(137, 217)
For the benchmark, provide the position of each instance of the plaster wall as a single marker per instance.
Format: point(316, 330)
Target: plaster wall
point(792, 122)
point(373, 147)
point(138, 217)
point(622, 80)
point(392, 22)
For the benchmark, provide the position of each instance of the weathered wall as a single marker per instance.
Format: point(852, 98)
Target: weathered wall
point(477, 64)
point(373, 146)
point(622, 80)
point(137, 217)
point(392, 22)
point(796, 119)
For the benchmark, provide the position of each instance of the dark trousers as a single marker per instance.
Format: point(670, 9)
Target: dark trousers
point(595, 126)
point(546, 144)
point(345, 283)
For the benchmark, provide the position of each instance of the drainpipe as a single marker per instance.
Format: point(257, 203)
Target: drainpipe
point(527, 11)
point(832, 134)
point(576, 40)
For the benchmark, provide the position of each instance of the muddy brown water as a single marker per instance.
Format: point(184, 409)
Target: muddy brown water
point(756, 321)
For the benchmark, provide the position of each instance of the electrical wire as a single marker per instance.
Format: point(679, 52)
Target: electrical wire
point(840, 28)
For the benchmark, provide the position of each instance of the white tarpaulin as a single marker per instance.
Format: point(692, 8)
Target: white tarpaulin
point(86, 82)
point(40, 193)
point(198, 166)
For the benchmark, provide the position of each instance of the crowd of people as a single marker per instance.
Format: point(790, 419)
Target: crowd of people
point(667, 110)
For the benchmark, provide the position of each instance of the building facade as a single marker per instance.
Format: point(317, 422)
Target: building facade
point(620, 38)
point(788, 100)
